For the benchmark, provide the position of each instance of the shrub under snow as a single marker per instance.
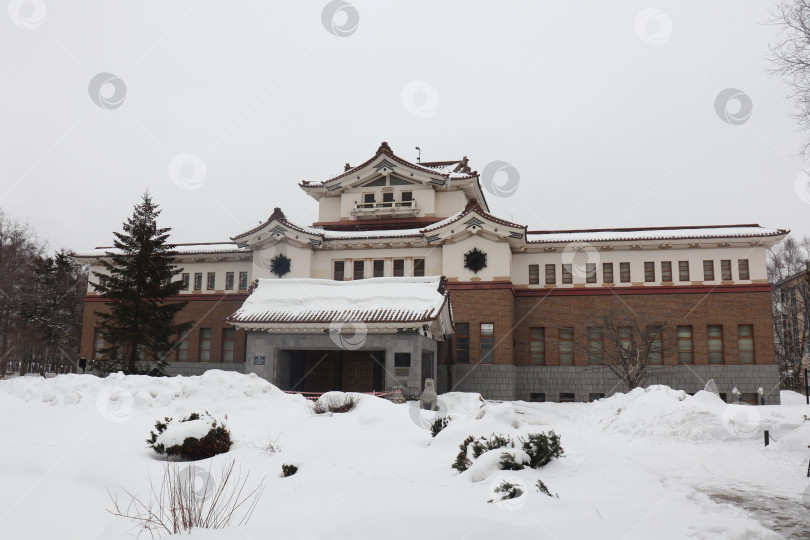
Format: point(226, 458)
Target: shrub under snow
point(197, 436)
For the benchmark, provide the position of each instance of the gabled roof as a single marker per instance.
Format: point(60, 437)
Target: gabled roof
point(408, 300)
point(384, 149)
point(472, 206)
point(455, 174)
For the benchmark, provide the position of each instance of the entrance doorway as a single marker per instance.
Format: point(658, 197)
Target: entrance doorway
point(326, 370)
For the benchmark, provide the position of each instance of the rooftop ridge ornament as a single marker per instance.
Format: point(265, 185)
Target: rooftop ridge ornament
point(474, 222)
point(277, 214)
point(384, 164)
point(385, 149)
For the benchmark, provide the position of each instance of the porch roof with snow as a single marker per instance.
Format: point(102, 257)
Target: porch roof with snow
point(380, 304)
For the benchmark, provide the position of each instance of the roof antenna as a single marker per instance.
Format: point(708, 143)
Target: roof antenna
point(419, 157)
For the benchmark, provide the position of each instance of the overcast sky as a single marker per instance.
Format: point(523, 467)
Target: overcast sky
point(606, 109)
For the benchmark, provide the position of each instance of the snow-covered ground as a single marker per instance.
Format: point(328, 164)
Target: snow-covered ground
point(653, 463)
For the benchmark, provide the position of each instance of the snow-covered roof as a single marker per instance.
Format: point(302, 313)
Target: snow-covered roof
point(375, 300)
point(674, 233)
point(184, 249)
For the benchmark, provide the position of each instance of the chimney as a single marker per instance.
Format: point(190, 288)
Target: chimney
point(346, 167)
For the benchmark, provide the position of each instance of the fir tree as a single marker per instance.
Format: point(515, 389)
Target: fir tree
point(139, 327)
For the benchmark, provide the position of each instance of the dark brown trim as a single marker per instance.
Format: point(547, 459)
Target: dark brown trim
point(601, 291)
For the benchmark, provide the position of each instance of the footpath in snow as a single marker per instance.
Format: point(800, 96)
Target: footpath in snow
point(652, 463)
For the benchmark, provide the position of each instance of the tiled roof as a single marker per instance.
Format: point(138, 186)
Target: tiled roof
point(375, 300)
point(198, 248)
point(434, 167)
point(654, 233)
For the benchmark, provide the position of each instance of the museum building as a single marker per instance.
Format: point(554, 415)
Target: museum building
point(407, 275)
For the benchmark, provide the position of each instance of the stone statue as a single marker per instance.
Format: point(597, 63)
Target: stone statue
point(428, 400)
point(712, 387)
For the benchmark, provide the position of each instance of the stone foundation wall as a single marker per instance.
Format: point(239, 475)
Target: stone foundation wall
point(502, 382)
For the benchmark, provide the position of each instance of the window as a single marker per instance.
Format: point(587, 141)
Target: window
point(211, 282)
point(625, 335)
point(745, 343)
point(182, 347)
point(567, 397)
point(708, 270)
point(624, 272)
point(463, 343)
point(487, 343)
point(537, 397)
point(593, 396)
point(228, 344)
point(595, 345)
point(715, 333)
point(98, 344)
point(358, 269)
point(656, 353)
point(567, 278)
point(551, 274)
point(198, 281)
point(683, 270)
point(402, 359)
point(399, 267)
point(534, 274)
point(379, 268)
point(205, 344)
point(537, 346)
point(339, 273)
point(590, 272)
point(242, 281)
point(368, 198)
point(228, 281)
point(666, 271)
point(388, 199)
point(406, 196)
point(649, 272)
point(742, 265)
point(607, 272)
point(684, 344)
point(725, 270)
point(186, 282)
point(419, 267)
point(566, 346)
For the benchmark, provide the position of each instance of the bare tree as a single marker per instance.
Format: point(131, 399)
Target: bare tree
point(41, 301)
point(631, 344)
point(790, 309)
point(790, 55)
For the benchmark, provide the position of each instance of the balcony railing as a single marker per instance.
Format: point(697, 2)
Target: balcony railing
point(388, 208)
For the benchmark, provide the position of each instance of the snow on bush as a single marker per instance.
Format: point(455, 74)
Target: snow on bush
point(483, 455)
point(197, 436)
point(335, 402)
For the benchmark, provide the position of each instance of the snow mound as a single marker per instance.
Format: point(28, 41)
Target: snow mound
point(119, 394)
point(661, 412)
point(461, 403)
point(789, 397)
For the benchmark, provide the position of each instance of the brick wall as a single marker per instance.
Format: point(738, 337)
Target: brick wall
point(478, 306)
point(207, 311)
point(698, 310)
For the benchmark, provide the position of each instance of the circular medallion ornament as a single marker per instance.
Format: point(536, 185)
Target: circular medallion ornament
point(280, 265)
point(475, 260)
